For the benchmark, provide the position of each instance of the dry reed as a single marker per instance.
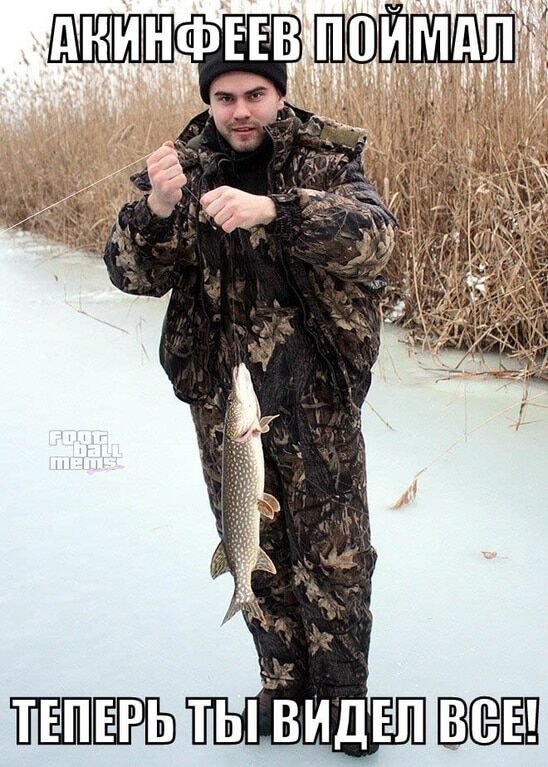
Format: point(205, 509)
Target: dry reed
point(459, 152)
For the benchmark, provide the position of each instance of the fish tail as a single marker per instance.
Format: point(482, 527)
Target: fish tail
point(248, 605)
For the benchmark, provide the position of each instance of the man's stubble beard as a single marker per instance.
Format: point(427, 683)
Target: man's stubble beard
point(243, 145)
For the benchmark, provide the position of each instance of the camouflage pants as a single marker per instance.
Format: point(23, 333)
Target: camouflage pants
point(318, 604)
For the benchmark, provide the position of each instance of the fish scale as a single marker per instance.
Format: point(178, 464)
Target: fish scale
point(243, 496)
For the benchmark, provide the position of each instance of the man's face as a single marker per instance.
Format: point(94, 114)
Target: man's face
point(241, 104)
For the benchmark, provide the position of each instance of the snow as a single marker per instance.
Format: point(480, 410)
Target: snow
point(105, 586)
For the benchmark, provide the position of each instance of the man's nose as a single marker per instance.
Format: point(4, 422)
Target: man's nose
point(241, 110)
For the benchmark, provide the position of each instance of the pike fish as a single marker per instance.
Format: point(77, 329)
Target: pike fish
point(243, 496)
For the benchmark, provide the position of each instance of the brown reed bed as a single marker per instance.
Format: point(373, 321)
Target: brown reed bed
point(459, 152)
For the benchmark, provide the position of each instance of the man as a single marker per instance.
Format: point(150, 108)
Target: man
point(261, 220)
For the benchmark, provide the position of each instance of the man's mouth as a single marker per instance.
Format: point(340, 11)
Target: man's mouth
point(243, 130)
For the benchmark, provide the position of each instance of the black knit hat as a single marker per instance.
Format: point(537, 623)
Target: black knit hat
point(214, 65)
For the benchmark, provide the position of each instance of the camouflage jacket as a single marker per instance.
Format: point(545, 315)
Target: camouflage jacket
point(332, 235)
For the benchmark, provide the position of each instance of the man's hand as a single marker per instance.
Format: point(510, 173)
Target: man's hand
point(231, 208)
point(166, 178)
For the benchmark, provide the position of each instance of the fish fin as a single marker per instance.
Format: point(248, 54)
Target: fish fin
point(233, 608)
point(272, 501)
point(264, 562)
point(265, 508)
point(253, 430)
point(265, 420)
point(252, 607)
point(219, 562)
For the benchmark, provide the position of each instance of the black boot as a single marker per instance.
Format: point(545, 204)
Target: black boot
point(352, 748)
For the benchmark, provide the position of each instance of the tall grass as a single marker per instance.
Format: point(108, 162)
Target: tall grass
point(459, 152)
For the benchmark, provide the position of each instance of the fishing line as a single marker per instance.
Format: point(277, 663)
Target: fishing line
point(235, 338)
point(89, 186)
point(68, 197)
point(233, 300)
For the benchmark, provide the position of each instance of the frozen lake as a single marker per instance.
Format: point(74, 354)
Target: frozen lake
point(105, 587)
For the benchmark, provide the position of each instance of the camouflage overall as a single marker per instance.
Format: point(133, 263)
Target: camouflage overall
point(309, 350)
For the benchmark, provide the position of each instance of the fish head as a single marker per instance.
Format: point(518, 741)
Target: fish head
point(244, 413)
